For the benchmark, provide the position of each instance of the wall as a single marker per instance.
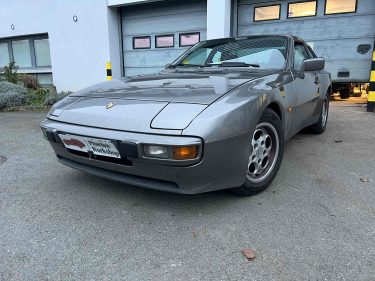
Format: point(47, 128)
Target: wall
point(218, 18)
point(79, 49)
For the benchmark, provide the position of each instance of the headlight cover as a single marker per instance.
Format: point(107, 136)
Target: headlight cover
point(176, 116)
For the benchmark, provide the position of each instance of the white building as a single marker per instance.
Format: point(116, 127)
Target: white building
point(68, 42)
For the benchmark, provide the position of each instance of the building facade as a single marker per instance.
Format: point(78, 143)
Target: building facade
point(68, 43)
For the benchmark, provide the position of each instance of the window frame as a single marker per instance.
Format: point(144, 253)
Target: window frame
point(306, 47)
point(299, 2)
point(31, 39)
point(10, 52)
point(311, 51)
point(189, 33)
point(34, 57)
point(31, 52)
point(341, 13)
point(164, 35)
point(255, 7)
point(141, 37)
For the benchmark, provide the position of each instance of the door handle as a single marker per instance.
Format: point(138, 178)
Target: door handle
point(317, 81)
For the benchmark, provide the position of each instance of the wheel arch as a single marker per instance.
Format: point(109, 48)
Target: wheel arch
point(277, 108)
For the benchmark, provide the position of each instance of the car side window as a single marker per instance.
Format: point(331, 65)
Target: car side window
point(217, 57)
point(197, 57)
point(300, 54)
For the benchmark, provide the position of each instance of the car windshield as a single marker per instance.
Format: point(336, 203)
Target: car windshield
point(267, 52)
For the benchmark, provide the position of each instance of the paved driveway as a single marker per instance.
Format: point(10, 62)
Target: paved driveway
point(315, 222)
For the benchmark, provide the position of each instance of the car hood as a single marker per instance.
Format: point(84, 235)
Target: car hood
point(164, 101)
point(197, 87)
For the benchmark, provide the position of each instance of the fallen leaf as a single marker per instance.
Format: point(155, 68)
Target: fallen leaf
point(364, 179)
point(249, 254)
point(3, 159)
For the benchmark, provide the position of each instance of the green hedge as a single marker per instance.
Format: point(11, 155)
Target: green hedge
point(38, 96)
point(10, 87)
point(11, 99)
point(12, 95)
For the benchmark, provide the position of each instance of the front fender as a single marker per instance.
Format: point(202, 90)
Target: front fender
point(238, 112)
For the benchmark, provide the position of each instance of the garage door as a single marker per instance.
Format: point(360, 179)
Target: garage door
point(341, 31)
point(155, 34)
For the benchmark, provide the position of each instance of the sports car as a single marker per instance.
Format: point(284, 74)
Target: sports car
point(216, 118)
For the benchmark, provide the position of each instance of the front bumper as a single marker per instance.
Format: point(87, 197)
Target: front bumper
point(222, 164)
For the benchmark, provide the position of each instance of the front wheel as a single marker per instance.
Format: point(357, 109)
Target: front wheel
point(266, 155)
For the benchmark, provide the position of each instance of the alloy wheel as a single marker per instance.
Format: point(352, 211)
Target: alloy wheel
point(265, 150)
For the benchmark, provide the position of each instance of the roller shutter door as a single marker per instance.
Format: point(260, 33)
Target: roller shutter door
point(146, 22)
point(339, 38)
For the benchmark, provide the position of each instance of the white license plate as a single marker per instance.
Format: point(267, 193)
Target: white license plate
point(100, 147)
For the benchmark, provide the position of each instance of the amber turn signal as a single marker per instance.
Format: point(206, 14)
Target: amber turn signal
point(185, 152)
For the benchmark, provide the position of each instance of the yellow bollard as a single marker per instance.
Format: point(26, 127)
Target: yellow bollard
point(371, 93)
point(108, 67)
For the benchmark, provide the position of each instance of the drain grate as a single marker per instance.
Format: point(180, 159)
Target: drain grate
point(3, 159)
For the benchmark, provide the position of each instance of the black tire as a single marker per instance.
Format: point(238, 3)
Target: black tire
point(344, 92)
point(320, 126)
point(253, 185)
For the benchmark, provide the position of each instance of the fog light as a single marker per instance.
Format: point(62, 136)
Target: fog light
point(156, 151)
point(185, 152)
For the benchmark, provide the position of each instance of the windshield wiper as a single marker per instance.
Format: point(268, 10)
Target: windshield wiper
point(190, 65)
point(236, 64)
point(183, 64)
point(223, 64)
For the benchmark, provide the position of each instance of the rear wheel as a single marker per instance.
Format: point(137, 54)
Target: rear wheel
point(266, 155)
point(344, 92)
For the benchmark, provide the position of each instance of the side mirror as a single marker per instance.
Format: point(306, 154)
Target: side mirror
point(313, 64)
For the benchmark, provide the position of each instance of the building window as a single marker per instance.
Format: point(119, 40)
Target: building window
point(267, 13)
point(30, 53)
point(340, 6)
point(42, 53)
point(4, 54)
point(143, 42)
point(27, 52)
point(164, 41)
point(302, 9)
point(21, 53)
point(189, 39)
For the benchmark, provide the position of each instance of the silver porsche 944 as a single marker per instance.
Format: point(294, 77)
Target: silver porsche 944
point(215, 118)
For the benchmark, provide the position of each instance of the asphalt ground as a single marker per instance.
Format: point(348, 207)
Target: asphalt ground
point(315, 222)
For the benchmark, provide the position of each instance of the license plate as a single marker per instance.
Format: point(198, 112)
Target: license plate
point(99, 147)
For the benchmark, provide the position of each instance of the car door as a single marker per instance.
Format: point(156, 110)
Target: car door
point(306, 86)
